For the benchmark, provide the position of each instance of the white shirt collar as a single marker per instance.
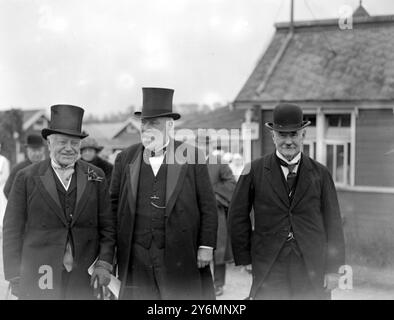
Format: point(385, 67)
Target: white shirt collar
point(55, 165)
point(59, 169)
point(293, 161)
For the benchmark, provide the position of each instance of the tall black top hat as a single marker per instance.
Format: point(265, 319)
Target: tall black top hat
point(34, 141)
point(287, 118)
point(157, 102)
point(65, 119)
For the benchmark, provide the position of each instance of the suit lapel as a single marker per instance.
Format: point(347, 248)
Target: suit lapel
point(81, 186)
point(275, 178)
point(175, 174)
point(304, 180)
point(133, 174)
point(47, 186)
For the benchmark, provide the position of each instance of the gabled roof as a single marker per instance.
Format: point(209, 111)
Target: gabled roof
point(129, 122)
point(360, 12)
point(31, 116)
point(321, 62)
point(102, 130)
point(108, 134)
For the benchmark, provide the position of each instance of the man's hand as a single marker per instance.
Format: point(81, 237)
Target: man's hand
point(15, 286)
point(247, 268)
point(331, 281)
point(102, 275)
point(204, 257)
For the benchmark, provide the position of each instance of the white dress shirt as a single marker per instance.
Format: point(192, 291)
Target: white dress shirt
point(64, 174)
point(157, 161)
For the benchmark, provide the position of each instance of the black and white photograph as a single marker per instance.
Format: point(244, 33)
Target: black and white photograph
point(217, 152)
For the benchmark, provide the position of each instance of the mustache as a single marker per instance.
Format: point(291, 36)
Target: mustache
point(68, 154)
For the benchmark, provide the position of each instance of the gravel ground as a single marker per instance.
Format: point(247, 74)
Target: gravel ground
point(369, 284)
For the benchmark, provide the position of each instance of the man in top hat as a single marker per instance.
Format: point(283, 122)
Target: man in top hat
point(297, 244)
point(89, 153)
point(58, 219)
point(35, 151)
point(166, 211)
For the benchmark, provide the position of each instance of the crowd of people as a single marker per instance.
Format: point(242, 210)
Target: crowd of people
point(157, 224)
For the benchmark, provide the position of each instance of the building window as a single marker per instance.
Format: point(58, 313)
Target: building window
point(309, 149)
point(311, 118)
point(338, 120)
point(337, 144)
point(338, 162)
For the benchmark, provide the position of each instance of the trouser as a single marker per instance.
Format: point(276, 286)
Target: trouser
point(65, 281)
point(75, 289)
point(145, 274)
point(219, 275)
point(288, 278)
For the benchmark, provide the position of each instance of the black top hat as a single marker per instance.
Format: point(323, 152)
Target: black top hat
point(65, 119)
point(157, 102)
point(34, 141)
point(287, 118)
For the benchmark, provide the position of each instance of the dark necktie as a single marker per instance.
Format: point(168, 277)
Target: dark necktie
point(291, 177)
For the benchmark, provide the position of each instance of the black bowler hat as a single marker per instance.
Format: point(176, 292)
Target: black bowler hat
point(287, 118)
point(34, 141)
point(157, 102)
point(65, 119)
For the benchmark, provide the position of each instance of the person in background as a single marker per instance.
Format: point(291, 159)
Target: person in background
point(223, 184)
point(35, 151)
point(89, 153)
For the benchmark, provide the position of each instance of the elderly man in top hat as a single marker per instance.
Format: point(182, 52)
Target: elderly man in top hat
point(89, 153)
point(166, 211)
point(297, 244)
point(35, 151)
point(58, 219)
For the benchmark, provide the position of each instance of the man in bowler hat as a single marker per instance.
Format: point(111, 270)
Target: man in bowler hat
point(58, 220)
point(166, 211)
point(297, 244)
point(35, 151)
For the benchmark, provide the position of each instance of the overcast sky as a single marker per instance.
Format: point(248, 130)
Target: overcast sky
point(99, 53)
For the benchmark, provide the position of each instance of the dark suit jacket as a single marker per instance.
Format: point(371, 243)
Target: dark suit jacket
point(35, 230)
point(314, 215)
point(223, 183)
point(11, 177)
point(190, 220)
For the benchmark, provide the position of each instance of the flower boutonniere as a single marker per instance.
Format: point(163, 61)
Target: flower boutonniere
point(93, 176)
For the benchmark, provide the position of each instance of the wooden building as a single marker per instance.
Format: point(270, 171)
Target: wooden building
point(344, 81)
